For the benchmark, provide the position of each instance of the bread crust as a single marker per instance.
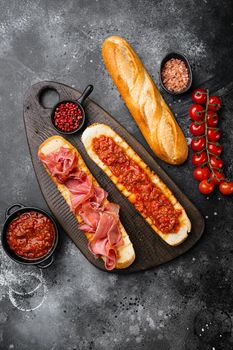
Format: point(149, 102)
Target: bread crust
point(96, 130)
point(144, 101)
point(126, 254)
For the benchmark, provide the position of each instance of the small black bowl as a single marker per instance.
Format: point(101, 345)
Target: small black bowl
point(185, 60)
point(78, 103)
point(44, 261)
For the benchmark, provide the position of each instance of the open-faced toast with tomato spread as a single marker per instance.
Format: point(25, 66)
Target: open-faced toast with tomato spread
point(97, 217)
point(143, 188)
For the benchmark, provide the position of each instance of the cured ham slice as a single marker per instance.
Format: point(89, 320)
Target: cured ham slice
point(100, 218)
point(90, 215)
point(106, 238)
point(61, 163)
point(81, 189)
point(99, 195)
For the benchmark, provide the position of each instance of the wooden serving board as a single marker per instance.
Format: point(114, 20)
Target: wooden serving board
point(149, 248)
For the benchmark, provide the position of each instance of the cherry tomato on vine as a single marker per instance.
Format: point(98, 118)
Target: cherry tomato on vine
point(199, 159)
point(215, 162)
point(212, 119)
point(198, 144)
point(213, 135)
point(197, 113)
point(197, 129)
point(199, 96)
point(206, 186)
point(226, 188)
point(214, 103)
point(201, 173)
point(217, 177)
point(215, 148)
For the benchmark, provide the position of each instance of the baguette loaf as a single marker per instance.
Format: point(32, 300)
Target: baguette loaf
point(96, 130)
point(144, 101)
point(126, 254)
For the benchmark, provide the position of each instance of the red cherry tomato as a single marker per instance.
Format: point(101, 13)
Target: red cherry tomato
point(199, 159)
point(198, 144)
point(215, 148)
point(196, 113)
point(226, 188)
point(197, 129)
point(201, 173)
point(206, 186)
point(215, 162)
point(217, 177)
point(212, 119)
point(214, 103)
point(213, 135)
point(199, 96)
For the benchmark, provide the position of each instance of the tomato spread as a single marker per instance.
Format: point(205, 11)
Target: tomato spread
point(150, 200)
point(31, 235)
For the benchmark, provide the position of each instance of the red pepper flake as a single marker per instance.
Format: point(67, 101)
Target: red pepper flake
point(175, 75)
point(68, 116)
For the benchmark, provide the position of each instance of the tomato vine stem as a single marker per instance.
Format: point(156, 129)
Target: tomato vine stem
point(206, 138)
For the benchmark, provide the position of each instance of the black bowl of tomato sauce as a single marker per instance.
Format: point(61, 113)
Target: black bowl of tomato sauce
point(29, 235)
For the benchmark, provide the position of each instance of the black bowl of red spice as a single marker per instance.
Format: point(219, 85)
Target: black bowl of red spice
point(175, 73)
point(68, 116)
point(29, 235)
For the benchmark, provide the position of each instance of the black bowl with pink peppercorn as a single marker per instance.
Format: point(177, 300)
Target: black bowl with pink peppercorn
point(175, 73)
point(68, 116)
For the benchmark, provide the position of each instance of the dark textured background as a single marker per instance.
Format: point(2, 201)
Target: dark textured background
point(183, 305)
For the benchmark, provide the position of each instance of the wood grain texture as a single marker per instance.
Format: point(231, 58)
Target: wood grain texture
point(150, 250)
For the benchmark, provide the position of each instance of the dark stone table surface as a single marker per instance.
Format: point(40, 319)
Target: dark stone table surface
point(186, 304)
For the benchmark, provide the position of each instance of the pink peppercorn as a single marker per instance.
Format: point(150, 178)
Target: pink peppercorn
point(67, 116)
